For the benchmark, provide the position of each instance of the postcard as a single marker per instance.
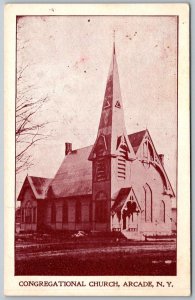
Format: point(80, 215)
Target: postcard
point(97, 150)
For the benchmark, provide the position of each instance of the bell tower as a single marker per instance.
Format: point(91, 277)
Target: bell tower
point(110, 152)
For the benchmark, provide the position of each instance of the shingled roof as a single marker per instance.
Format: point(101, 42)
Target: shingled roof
point(74, 176)
point(120, 200)
point(136, 139)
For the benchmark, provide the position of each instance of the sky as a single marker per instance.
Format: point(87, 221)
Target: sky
point(68, 59)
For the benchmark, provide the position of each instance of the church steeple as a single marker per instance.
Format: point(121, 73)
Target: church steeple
point(112, 125)
point(110, 153)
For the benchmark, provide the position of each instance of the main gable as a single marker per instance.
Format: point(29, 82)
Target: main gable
point(147, 154)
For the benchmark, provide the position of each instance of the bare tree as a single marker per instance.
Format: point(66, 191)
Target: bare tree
point(28, 129)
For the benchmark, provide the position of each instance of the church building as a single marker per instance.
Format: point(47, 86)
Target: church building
point(117, 184)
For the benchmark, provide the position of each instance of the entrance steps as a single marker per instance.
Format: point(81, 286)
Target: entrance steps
point(133, 235)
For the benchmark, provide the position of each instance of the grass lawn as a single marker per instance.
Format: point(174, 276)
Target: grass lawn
point(95, 257)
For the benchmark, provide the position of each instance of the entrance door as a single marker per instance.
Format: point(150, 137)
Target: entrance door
point(124, 220)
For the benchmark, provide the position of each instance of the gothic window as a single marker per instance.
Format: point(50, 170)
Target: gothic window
point(34, 215)
point(162, 212)
point(53, 213)
point(148, 203)
point(28, 213)
point(65, 212)
point(78, 211)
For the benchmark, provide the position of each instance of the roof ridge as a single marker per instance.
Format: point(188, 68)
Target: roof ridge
point(39, 177)
point(144, 130)
point(93, 144)
point(82, 148)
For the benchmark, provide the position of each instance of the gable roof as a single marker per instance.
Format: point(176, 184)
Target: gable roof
point(39, 186)
point(136, 139)
point(74, 177)
point(120, 200)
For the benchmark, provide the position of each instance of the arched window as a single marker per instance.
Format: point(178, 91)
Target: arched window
point(53, 213)
point(78, 211)
point(162, 212)
point(148, 203)
point(65, 212)
point(28, 213)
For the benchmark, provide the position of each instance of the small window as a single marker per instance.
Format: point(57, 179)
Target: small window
point(22, 215)
point(90, 211)
point(34, 215)
point(65, 213)
point(28, 213)
point(53, 213)
point(78, 211)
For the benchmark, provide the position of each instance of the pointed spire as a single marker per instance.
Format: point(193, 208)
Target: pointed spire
point(112, 124)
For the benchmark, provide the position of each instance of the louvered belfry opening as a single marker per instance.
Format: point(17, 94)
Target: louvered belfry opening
point(121, 167)
point(122, 157)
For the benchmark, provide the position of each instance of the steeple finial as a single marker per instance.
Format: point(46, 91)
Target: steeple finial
point(114, 41)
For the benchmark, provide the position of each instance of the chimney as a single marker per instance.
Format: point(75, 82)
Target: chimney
point(68, 148)
point(161, 156)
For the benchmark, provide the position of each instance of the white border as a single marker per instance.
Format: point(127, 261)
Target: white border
point(181, 282)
